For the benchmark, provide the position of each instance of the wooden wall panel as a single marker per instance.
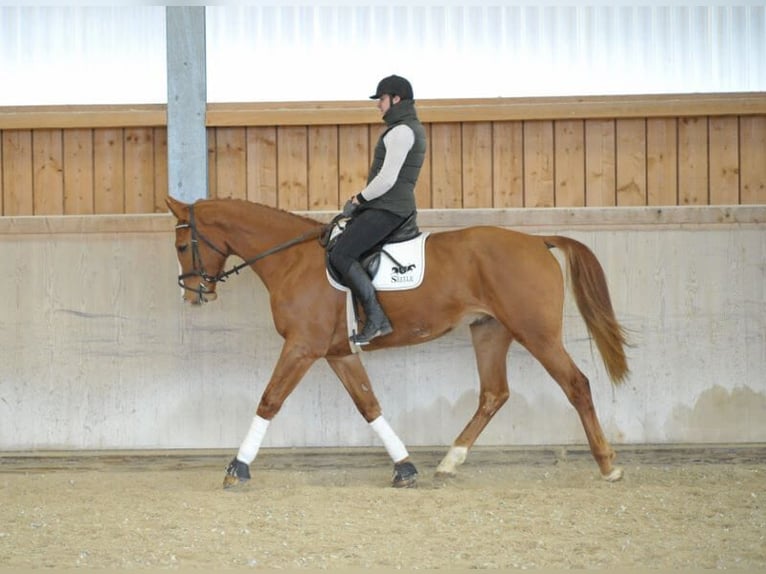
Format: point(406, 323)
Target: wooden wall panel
point(2, 177)
point(108, 171)
point(538, 164)
point(661, 161)
point(482, 154)
point(231, 163)
point(47, 172)
point(600, 163)
point(569, 142)
point(446, 162)
point(139, 170)
point(477, 164)
point(693, 161)
point(17, 173)
point(323, 171)
point(160, 169)
point(424, 187)
point(78, 171)
point(631, 162)
point(753, 159)
point(724, 160)
point(292, 168)
point(507, 164)
point(353, 161)
point(262, 165)
point(212, 172)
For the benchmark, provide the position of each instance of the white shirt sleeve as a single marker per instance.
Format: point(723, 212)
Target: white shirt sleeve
point(398, 143)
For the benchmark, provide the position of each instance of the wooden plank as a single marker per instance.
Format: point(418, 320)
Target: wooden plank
point(693, 182)
point(82, 116)
point(323, 186)
point(423, 189)
point(17, 172)
point(661, 161)
point(477, 164)
point(631, 162)
point(292, 168)
point(360, 112)
point(600, 163)
point(538, 164)
point(212, 171)
point(108, 171)
point(671, 217)
point(569, 157)
point(48, 172)
point(507, 164)
point(231, 163)
point(353, 161)
point(724, 160)
point(2, 179)
point(78, 171)
point(446, 176)
point(491, 109)
point(262, 165)
point(160, 169)
point(139, 170)
point(753, 160)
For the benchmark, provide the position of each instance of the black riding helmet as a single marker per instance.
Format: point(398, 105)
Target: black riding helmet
point(394, 86)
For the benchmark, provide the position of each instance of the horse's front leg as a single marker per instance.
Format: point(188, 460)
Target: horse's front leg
point(292, 365)
point(353, 375)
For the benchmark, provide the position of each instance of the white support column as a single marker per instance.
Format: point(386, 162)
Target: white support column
point(187, 99)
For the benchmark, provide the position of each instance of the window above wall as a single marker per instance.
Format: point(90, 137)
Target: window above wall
point(82, 55)
point(339, 50)
point(484, 49)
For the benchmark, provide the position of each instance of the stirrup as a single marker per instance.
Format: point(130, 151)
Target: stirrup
point(365, 337)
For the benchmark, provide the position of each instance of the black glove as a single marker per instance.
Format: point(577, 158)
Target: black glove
point(349, 208)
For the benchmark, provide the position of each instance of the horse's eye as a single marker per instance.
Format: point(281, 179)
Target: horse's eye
point(182, 248)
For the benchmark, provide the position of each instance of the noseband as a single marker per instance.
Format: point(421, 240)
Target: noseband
point(198, 268)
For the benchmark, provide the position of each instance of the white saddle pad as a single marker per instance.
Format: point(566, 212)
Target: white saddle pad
point(402, 266)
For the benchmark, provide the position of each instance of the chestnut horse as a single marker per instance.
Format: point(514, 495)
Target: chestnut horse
point(507, 285)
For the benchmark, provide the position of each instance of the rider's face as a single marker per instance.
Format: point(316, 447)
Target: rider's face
point(385, 102)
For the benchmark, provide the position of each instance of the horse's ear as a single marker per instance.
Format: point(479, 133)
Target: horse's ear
point(177, 208)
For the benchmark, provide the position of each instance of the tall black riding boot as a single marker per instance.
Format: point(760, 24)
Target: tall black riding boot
point(376, 323)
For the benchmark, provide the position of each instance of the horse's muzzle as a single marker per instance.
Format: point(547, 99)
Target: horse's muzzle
point(200, 297)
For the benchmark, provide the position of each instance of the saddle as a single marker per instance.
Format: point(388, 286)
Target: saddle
point(370, 260)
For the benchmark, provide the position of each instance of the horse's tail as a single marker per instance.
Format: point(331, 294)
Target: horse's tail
point(588, 283)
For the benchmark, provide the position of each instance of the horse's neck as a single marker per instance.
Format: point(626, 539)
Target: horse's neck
point(250, 235)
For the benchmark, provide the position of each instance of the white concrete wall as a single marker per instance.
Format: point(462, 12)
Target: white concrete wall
point(99, 352)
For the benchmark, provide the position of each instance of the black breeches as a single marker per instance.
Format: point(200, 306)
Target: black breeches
point(363, 232)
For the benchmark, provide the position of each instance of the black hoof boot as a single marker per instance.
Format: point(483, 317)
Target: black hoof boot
point(405, 475)
point(237, 473)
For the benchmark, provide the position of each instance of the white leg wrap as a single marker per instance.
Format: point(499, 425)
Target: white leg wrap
point(249, 447)
point(394, 446)
point(454, 458)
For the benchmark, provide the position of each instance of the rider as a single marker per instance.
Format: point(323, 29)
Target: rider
point(387, 200)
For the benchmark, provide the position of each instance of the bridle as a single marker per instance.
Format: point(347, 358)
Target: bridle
point(198, 269)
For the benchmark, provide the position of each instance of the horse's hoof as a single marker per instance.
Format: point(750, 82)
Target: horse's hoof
point(405, 475)
point(613, 476)
point(237, 474)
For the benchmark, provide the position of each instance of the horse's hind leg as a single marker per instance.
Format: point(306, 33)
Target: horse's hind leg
point(491, 341)
point(353, 375)
point(576, 386)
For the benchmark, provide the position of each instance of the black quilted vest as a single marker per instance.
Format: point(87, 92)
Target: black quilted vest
point(400, 199)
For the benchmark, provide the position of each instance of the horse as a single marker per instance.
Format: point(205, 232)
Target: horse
point(505, 284)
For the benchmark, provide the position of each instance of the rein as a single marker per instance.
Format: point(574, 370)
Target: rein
point(199, 269)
